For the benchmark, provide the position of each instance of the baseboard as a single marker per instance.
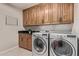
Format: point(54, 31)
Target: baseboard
point(8, 50)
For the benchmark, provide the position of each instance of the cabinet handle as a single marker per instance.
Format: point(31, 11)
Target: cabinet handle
point(60, 19)
point(42, 20)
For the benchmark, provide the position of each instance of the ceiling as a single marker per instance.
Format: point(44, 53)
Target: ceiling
point(21, 5)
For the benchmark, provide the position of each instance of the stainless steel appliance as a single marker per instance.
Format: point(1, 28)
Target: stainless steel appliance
point(40, 44)
point(63, 45)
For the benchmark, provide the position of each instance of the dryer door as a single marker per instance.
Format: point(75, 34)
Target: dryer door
point(62, 48)
point(40, 46)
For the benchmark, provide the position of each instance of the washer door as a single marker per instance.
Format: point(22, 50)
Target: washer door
point(62, 48)
point(40, 46)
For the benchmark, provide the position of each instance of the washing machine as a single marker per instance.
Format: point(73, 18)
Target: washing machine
point(63, 45)
point(40, 44)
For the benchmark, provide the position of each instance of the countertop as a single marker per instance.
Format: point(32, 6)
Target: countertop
point(28, 32)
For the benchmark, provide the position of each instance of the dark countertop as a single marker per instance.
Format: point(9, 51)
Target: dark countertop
point(27, 32)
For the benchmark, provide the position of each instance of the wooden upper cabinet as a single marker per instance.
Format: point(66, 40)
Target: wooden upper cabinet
point(60, 13)
point(46, 20)
point(40, 14)
point(29, 16)
point(53, 13)
point(67, 10)
point(25, 17)
point(49, 13)
point(34, 15)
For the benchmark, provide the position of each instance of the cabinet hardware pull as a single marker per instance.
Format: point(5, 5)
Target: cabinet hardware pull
point(60, 20)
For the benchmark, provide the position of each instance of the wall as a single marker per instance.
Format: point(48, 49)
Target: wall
point(75, 29)
point(61, 28)
point(8, 33)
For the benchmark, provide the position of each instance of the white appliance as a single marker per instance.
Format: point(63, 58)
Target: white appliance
point(63, 45)
point(40, 44)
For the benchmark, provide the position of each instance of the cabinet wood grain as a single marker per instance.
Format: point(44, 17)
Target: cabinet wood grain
point(25, 41)
point(53, 13)
point(40, 14)
point(29, 42)
point(67, 13)
point(49, 13)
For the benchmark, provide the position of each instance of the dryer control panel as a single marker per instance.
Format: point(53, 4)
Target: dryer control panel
point(71, 36)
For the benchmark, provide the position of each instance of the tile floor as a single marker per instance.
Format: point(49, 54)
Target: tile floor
point(16, 51)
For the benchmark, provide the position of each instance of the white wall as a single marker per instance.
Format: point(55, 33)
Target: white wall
point(8, 33)
point(61, 28)
point(75, 29)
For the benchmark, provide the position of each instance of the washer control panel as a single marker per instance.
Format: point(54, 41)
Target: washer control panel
point(45, 36)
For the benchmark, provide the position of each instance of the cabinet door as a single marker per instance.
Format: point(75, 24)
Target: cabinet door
point(53, 13)
point(25, 41)
point(30, 21)
point(36, 15)
point(33, 16)
point(29, 42)
point(29, 16)
point(45, 10)
point(67, 13)
point(21, 40)
point(26, 17)
point(40, 14)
